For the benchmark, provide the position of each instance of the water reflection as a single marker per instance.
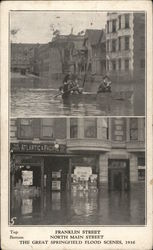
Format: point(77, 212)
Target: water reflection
point(80, 208)
point(39, 102)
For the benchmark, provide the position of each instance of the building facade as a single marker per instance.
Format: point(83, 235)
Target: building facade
point(71, 153)
point(125, 54)
point(125, 41)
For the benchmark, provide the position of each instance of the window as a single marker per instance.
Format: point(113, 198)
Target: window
point(114, 26)
point(108, 45)
point(127, 21)
point(113, 65)
point(73, 128)
point(25, 128)
point(119, 22)
point(47, 128)
point(105, 128)
point(108, 65)
point(127, 64)
point(90, 127)
point(133, 129)
point(142, 43)
point(113, 45)
point(127, 42)
point(119, 63)
point(142, 63)
point(141, 168)
point(119, 43)
point(107, 26)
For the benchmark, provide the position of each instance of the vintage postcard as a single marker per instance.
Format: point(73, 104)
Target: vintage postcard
point(76, 125)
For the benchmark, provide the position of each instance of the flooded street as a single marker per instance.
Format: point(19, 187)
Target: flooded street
point(80, 208)
point(41, 102)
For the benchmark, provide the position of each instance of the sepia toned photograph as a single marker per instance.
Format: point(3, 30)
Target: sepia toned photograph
point(77, 171)
point(77, 63)
point(76, 129)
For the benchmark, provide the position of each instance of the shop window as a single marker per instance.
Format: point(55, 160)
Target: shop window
point(119, 43)
point(141, 168)
point(113, 45)
point(133, 129)
point(25, 130)
point(90, 127)
point(114, 26)
point(119, 63)
point(127, 42)
point(47, 128)
point(127, 21)
point(119, 22)
point(73, 128)
point(127, 64)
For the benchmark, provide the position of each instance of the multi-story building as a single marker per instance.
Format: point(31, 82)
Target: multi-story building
point(22, 55)
point(125, 49)
point(111, 150)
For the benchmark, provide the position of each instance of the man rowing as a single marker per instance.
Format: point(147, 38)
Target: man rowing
point(105, 86)
point(70, 85)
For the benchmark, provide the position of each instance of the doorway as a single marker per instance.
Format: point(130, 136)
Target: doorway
point(118, 175)
point(56, 172)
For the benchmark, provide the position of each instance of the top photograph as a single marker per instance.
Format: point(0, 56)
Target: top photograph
point(77, 63)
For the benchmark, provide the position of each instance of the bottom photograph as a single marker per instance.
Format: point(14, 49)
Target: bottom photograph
point(77, 171)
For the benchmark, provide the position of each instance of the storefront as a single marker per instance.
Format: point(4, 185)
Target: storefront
point(50, 168)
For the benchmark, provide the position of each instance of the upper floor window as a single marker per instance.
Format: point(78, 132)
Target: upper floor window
point(73, 128)
point(105, 128)
point(107, 26)
point(113, 45)
point(114, 26)
point(108, 45)
point(142, 43)
point(113, 65)
point(47, 128)
point(119, 43)
point(25, 130)
point(142, 63)
point(90, 128)
point(119, 63)
point(119, 22)
point(127, 21)
point(133, 129)
point(127, 64)
point(127, 42)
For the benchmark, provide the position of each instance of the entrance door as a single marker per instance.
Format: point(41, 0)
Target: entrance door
point(56, 170)
point(118, 175)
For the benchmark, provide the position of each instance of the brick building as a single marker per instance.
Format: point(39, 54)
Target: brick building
point(111, 150)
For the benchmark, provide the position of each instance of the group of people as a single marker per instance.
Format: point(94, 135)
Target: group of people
point(71, 85)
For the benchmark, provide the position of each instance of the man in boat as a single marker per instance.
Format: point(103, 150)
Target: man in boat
point(70, 85)
point(105, 86)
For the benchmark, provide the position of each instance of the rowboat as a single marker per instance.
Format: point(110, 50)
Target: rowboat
point(93, 97)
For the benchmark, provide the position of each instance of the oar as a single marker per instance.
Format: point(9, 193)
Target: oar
point(63, 92)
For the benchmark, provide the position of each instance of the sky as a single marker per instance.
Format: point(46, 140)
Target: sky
point(38, 26)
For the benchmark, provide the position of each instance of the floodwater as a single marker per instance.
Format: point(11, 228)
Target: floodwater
point(41, 102)
point(80, 208)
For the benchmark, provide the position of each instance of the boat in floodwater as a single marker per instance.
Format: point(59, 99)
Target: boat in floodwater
point(93, 97)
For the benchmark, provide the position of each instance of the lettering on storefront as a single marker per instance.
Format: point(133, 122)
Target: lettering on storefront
point(35, 148)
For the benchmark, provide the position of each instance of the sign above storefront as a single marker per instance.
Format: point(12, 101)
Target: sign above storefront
point(36, 148)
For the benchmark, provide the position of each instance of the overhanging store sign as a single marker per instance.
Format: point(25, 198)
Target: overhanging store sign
point(35, 148)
